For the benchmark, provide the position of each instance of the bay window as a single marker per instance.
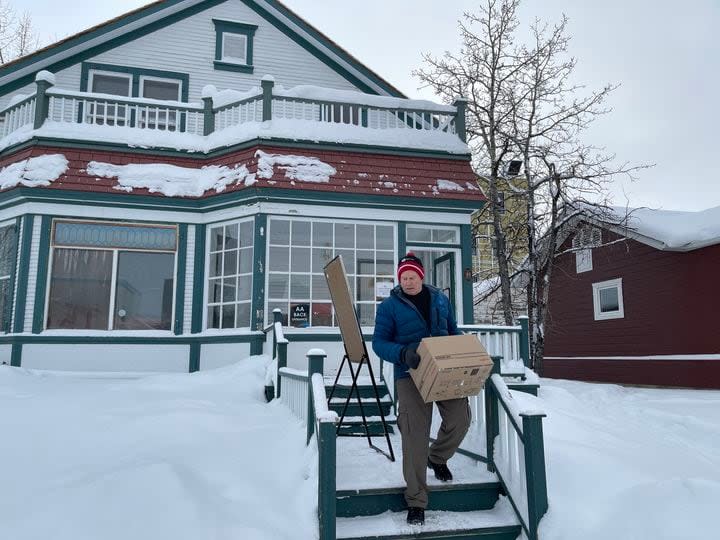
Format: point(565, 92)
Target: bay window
point(111, 276)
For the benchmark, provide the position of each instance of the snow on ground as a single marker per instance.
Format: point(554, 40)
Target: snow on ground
point(191, 457)
point(202, 456)
point(631, 463)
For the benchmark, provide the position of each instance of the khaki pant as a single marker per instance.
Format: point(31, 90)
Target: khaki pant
point(414, 420)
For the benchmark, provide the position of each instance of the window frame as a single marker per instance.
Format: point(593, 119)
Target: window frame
point(5, 325)
point(113, 286)
point(354, 275)
point(432, 227)
point(227, 63)
point(206, 287)
point(92, 72)
point(597, 307)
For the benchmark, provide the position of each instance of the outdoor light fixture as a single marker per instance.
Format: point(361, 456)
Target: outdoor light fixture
point(467, 274)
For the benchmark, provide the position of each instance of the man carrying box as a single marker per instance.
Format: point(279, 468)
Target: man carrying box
point(412, 312)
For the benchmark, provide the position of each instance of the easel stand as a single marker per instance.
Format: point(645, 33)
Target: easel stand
point(355, 374)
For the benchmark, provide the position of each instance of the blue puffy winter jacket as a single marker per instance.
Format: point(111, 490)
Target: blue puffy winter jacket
point(399, 323)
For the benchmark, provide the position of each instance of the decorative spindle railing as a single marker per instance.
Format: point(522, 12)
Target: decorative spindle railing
point(52, 104)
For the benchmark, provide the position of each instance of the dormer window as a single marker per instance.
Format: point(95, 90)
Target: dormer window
point(234, 46)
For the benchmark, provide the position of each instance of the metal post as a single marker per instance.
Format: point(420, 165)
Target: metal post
point(267, 84)
point(316, 359)
point(525, 339)
point(460, 104)
point(535, 471)
point(42, 102)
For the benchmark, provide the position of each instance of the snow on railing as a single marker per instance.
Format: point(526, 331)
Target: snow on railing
point(233, 114)
point(107, 110)
point(20, 112)
point(516, 448)
point(295, 392)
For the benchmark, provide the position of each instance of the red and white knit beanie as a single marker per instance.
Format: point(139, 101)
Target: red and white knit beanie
point(410, 262)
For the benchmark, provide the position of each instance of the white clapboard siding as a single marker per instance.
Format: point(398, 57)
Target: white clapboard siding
point(188, 46)
point(32, 273)
point(17, 272)
point(189, 275)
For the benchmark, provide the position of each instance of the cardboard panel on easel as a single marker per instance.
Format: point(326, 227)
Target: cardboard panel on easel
point(344, 309)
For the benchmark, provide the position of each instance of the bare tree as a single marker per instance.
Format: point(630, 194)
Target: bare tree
point(523, 105)
point(17, 36)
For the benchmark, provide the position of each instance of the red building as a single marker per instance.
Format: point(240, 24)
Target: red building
point(638, 306)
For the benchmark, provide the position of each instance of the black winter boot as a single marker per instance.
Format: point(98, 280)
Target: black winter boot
point(442, 472)
point(416, 516)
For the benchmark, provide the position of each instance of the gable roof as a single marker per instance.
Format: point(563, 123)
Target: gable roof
point(665, 230)
point(143, 20)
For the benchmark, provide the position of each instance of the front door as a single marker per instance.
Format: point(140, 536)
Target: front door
point(443, 275)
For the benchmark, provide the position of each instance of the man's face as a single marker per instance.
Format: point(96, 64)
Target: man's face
point(410, 282)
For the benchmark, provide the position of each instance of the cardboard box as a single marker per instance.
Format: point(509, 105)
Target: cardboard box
point(451, 367)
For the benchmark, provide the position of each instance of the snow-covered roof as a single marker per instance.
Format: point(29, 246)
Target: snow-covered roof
point(673, 230)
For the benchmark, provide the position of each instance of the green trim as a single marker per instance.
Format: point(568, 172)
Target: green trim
point(257, 313)
point(466, 258)
point(136, 74)
point(257, 345)
point(228, 27)
point(170, 19)
point(401, 239)
point(180, 278)
point(41, 279)
point(435, 245)
point(6, 316)
point(194, 364)
point(92, 52)
point(228, 200)
point(110, 339)
point(16, 355)
point(305, 44)
point(21, 297)
point(300, 144)
point(229, 66)
point(198, 280)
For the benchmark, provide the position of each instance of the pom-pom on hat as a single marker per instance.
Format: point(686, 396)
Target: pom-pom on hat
point(410, 262)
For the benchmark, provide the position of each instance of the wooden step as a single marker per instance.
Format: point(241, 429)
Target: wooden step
point(369, 406)
point(366, 390)
point(499, 523)
point(353, 425)
point(447, 497)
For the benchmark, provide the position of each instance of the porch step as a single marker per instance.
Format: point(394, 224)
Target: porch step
point(364, 386)
point(369, 406)
point(454, 497)
point(499, 523)
point(353, 426)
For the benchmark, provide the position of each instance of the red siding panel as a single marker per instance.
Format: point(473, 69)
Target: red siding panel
point(676, 373)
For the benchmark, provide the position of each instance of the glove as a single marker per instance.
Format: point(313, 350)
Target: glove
point(410, 357)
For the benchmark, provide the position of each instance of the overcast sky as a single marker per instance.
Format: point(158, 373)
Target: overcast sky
point(665, 56)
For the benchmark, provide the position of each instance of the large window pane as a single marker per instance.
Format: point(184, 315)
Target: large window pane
point(144, 291)
point(80, 289)
point(230, 273)
point(279, 232)
point(312, 244)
